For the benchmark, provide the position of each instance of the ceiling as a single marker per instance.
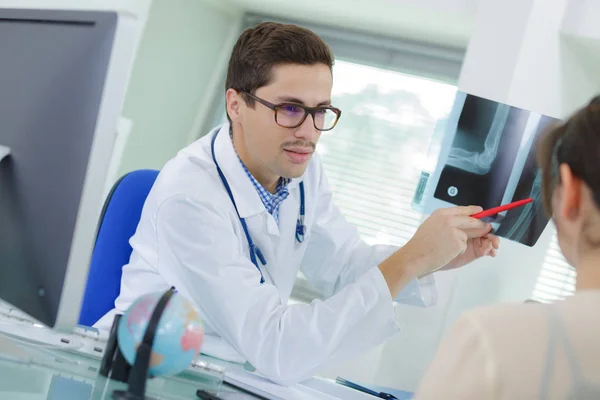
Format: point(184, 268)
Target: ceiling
point(448, 22)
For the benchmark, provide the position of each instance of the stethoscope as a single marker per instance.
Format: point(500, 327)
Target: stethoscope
point(253, 248)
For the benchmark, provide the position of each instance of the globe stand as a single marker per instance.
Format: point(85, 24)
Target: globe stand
point(114, 365)
point(139, 371)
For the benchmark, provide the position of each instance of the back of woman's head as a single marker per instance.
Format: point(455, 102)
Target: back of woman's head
point(576, 142)
point(569, 156)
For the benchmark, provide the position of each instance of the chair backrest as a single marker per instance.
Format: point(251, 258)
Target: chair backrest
point(118, 222)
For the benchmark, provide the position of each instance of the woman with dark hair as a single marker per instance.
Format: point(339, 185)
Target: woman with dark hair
point(539, 351)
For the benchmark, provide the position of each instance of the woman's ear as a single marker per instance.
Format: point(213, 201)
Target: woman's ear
point(570, 194)
point(233, 100)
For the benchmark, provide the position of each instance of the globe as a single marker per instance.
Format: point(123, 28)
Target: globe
point(178, 338)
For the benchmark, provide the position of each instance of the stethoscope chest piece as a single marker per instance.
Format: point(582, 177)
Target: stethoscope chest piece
point(300, 229)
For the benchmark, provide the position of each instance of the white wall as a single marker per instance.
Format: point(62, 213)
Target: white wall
point(179, 59)
point(581, 50)
point(446, 22)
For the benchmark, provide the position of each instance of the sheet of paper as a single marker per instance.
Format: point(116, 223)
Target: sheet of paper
point(264, 387)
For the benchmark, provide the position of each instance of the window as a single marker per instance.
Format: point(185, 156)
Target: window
point(557, 277)
point(374, 157)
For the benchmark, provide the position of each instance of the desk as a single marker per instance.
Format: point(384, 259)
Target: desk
point(31, 371)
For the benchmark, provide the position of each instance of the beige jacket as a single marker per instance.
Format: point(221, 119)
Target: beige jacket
point(521, 351)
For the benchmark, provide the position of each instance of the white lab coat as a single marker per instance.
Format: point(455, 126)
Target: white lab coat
point(190, 237)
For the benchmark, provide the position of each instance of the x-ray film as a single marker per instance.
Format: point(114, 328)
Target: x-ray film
point(487, 158)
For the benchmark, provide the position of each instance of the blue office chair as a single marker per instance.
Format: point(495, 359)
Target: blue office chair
point(118, 222)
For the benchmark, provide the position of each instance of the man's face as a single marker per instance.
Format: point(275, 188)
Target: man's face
point(267, 149)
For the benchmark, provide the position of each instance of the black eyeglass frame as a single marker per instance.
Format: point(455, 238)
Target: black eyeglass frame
point(307, 111)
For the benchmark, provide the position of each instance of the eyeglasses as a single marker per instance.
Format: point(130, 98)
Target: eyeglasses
point(292, 115)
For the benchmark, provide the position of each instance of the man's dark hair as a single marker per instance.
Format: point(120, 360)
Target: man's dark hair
point(269, 44)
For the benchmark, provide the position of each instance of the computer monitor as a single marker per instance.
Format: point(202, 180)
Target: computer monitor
point(63, 76)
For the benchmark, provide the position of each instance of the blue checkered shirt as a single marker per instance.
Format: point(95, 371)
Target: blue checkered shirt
point(272, 201)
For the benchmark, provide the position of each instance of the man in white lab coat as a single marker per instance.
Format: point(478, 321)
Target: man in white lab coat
point(234, 217)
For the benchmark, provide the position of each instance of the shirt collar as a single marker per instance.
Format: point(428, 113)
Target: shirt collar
point(271, 201)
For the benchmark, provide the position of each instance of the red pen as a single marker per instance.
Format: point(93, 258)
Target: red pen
point(497, 210)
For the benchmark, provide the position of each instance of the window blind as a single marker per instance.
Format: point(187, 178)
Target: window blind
point(557, 277)
point(372, 182)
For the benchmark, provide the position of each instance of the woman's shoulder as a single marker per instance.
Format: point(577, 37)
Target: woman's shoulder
point(485, 348)
point(508, 310)
point(510, 320)
point(519, 318)
point(523, 330)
